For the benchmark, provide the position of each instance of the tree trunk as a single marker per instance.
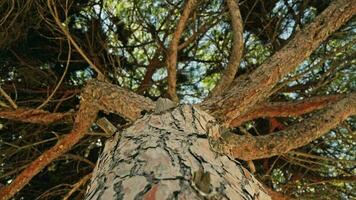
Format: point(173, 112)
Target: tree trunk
point(169, 156)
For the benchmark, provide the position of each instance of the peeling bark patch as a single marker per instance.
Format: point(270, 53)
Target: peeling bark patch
point(158, 162)
point(157, 157)
point(164, 190)
point(151, 194)
point(201, 148)
point(127, 148)
point(139, 127)
point(133, 186)
point(124, 169)
point(156, 122)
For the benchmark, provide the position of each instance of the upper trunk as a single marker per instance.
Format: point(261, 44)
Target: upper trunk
point(168, 156)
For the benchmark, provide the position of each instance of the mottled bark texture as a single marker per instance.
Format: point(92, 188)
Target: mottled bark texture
point(168, 156)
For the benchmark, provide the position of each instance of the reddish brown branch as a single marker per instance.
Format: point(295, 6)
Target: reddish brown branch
point(275, 125)
point(248, 147)
point(237, 49)
point(151, 68)
point(173, 50)
point(96, 96)
point(286, 109)
point(77, 185)
point(249, 90)
point(83, 120)
point(35, 116)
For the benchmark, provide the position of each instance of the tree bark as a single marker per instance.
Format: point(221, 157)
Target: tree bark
point(168, 156)
point(249, 147)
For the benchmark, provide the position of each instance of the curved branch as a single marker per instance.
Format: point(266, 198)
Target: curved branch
point(237, 49)
point(96, 96)
point(248, 147)
point(249, 90)
point(173, 50)
point(54, 12)
point(83, 120)
point(286, 109)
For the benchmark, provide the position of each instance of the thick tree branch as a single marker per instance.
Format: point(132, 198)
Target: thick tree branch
point(248, 147)
point(249, 90)
point(114, 99)
point(96, 96)
point(173, 50)
point(237, 49)
point(286, 109)
point(83, 120)
point(35, 116)
point(107, 97)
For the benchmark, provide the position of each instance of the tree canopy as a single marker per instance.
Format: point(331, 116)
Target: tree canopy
point(188, 51)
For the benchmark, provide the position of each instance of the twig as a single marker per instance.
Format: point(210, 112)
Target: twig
point(71, 39)
point(77, 185)
point(60, 81)
point(8, 98)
